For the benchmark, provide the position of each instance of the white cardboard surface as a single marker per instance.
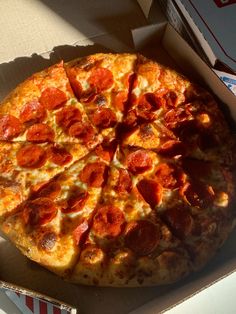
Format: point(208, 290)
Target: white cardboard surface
point(215, 28)
point(6, 306)
point(36, 26)
point(16, 268)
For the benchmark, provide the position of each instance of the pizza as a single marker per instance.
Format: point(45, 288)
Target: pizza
point(115, 171)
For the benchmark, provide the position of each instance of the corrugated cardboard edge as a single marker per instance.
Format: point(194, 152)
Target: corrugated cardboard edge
point(34, 294)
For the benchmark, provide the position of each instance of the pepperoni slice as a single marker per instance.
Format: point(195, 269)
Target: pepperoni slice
point(39, 211)
point(52, 98)
point(174, 117)
point(142, 237)
point(167, 176)
point(83, 131)
point(147, 106)
point(106, 150)
point(197, 194)
point(76, 202)
point(108, 222)
point(145, 113)
point(67, 116)
point(172, 148)
point(171, 99)
point(151, 191)
point(180, 221)
point(76, 86)
point(50, 190)
point(59, 155)
point(40, 133)
point(130, 119)
point(104, 118)
point(101, 78)
point(119, 100)
point(10, 127)
point(139, 161)
point(170, 119)
point(89, 95)
point(94, 174)
point(124, 184)
point(80, 232)
point(31, 157)
point(32, 112)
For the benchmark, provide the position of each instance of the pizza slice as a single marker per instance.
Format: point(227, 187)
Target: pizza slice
point(154, 89)
point(201, 127)
point(194, 199)
point(44, 109)
point(128, 244)
point(49, 226)
point(167, 113)
point(102, 84)
point(25, 167)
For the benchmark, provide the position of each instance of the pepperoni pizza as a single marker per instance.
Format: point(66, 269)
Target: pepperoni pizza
point(115, 171)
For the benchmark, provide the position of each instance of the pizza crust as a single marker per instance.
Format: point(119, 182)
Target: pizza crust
point(45, 246)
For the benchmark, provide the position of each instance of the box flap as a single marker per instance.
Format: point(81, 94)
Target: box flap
point(213, 22)
point(145, 6)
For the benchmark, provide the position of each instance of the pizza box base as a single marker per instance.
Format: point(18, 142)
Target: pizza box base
point(161, 42)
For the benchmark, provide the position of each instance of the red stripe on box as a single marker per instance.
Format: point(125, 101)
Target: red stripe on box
point(29, 302)
point(56, 310)
point(43, 307)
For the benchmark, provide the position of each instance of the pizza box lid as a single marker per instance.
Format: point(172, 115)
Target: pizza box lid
point(178, 20)
point(213, 23)
point(47, 48)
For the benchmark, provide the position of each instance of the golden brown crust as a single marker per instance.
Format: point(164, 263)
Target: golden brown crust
point(147, 206)
point(46, 246)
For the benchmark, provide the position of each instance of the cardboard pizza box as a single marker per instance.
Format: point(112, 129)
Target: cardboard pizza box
point(213, 23)
point(27, 301)
point(181, 20)
point(38, 34)
point(176, 18)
